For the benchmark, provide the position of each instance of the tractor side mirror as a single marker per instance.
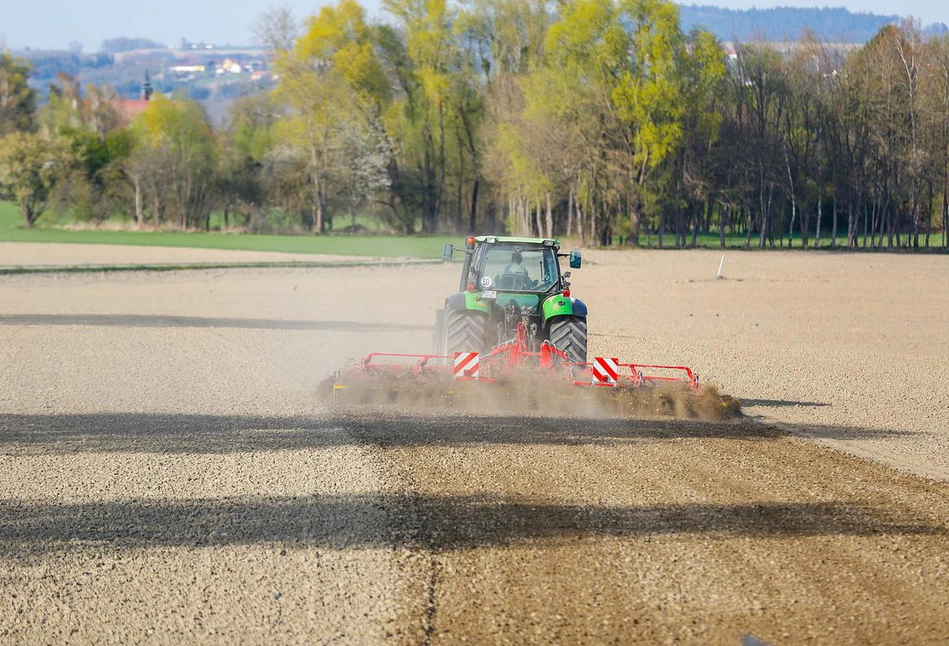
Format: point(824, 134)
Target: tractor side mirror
point(575, 260)
point(447, 252)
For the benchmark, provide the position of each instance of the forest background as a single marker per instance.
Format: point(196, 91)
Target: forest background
point(599, 120)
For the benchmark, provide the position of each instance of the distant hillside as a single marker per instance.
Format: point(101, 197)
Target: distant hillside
point(788, 23)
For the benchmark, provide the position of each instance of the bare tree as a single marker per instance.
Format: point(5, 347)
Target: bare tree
point(277, 28)
point(910, 50)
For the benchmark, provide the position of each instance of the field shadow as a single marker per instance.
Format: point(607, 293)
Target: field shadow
point(164, 321)
point(182, 433)
point(437, 523)
point(166, 433)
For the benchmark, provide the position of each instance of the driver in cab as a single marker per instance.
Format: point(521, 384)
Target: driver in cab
point(515, 275)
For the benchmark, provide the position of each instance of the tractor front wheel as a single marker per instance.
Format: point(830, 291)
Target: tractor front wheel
point(569, 334)
point(464, 331)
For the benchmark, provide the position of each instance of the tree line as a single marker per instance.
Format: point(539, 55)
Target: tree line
point(598, 119)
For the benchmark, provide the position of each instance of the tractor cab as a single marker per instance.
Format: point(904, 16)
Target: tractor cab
point(511, 267)
point(507, 264)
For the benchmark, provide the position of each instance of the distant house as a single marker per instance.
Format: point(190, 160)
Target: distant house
point(129, 109)
point(228, 67)
point(187, 69)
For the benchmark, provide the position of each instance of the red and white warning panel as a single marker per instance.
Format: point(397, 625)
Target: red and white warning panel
point(467, 365)
point(605, 370)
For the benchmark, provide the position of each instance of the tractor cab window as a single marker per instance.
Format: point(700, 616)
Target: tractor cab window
point(518, 268)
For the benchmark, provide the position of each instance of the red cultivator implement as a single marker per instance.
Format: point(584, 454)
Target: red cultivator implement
point(510, 357)
point(611, 372)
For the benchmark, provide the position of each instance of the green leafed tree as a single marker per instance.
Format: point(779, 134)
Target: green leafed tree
point(626, 55)
point(30, 165)
point(420, 118)
point(173, 163)
point(17, 98)
point(333, 84)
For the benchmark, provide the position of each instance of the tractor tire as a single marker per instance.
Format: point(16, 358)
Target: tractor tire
point(464, 331)
point(569, 334)
point(438, 339)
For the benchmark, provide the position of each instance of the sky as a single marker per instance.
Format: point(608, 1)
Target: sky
point(55, 24)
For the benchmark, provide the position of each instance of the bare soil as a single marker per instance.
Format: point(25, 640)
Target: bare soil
point(15, 254)
point(169, 470)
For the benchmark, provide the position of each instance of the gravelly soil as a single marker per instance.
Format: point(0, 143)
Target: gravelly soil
point(852, 348)
point(168, 472)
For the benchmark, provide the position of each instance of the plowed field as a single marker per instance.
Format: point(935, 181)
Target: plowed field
point(169, 472)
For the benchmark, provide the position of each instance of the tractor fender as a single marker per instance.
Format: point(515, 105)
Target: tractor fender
point(559, 305)
point(468, 301)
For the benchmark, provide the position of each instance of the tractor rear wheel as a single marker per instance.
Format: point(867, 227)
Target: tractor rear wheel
point(438, 340)
point(464, 331)
point(569, 334)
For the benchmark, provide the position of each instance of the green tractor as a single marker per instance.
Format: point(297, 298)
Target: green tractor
point(508, 282)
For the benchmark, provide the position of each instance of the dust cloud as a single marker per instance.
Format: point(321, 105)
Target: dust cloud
point(528, 392)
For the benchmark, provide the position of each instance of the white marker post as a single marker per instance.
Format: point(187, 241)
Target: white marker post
point(721, 264)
